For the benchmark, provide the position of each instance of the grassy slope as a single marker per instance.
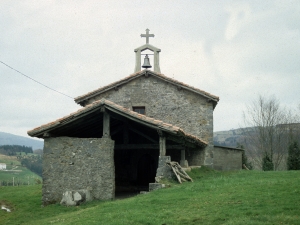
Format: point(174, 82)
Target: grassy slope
point(244, 197)
point(13, 163)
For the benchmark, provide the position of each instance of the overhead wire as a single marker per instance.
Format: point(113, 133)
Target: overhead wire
point(35, 80)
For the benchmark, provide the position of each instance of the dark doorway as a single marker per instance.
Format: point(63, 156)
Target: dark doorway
point(136, 156)
point(146, 170)
point(134, 171)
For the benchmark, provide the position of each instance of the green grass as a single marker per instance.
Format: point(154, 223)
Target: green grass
point(19, 176)
point(243, 197)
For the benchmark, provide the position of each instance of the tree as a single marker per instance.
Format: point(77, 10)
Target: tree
point(293, 160)
point(13, 149)
point(267, 133)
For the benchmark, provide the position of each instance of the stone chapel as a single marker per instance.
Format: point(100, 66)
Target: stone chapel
point(125, 132)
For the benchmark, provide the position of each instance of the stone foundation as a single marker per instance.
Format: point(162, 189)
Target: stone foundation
point(163, 170)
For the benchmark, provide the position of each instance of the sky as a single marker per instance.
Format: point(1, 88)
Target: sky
point(236, 50)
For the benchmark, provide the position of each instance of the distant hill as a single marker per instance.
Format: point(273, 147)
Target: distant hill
point(229, 138)
point(232, 138)
point(11, 139)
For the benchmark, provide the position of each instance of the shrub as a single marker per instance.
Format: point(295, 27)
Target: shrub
point(293, 160)
point(267, 163)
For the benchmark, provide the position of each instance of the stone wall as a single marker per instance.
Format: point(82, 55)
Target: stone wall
point(195, 157)
point(164, 101)
point(76, 164)
point(225, 158)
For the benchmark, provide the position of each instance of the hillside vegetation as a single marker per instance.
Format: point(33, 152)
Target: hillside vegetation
point(16, 173)
point(229, 138)
point(25, 155)
point(243, 197)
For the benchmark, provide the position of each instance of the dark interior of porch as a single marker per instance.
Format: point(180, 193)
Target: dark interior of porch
point(136, 152)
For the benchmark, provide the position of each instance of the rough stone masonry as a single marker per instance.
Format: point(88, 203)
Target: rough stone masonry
point(165, 102)
point(77, 164)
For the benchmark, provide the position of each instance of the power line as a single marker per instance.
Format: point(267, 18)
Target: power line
point(35, 80)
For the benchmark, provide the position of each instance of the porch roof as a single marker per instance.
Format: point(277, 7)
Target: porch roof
point(75, 121)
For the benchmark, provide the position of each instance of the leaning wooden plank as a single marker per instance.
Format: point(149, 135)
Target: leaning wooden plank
point(189, 178)
point(178, 177)
point(174, 171)
point(184, 176)
point(181, 172)
point(184, 180)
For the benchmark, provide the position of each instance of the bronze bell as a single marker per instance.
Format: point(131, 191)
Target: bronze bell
point(146, 62)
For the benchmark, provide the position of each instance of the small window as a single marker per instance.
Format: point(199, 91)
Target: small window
point(139, 109)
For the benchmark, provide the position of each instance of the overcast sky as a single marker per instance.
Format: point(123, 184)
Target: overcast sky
point(233, 49)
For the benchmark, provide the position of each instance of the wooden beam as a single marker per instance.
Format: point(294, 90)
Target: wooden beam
point(175, 139)
point(162, 145)
point(144, 146)
point(81, 125)
point(47, 135)
point(65, 122)
point(116, 116)
point(180, 140)
point(106, 125)
point(183, 154)
point(143, 135)
point(85, 121)
point(133, 118)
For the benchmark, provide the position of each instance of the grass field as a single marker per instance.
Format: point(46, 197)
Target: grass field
point(17, 172)
point(243, 197)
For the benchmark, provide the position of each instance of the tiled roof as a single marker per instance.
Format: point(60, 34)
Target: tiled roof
point(91, 94)
point(158, 124)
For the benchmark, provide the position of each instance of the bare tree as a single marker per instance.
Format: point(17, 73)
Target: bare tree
point(268, 131)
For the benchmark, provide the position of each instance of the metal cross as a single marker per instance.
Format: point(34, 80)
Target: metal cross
point(147, 35)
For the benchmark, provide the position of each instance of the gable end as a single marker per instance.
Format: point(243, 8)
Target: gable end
point(84, 98)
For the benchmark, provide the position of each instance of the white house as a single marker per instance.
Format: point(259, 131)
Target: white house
point(2, 166)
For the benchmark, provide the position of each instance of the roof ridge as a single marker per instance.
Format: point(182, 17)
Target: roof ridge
point(133, 76)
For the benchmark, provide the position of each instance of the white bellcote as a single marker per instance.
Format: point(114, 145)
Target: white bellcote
point(138, 52)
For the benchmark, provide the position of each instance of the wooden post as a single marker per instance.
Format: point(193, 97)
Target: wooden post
point(162, 145)
point(183, 162)
point(106, 125)
point(183, 154)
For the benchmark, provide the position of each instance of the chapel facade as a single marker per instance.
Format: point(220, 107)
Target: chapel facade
point(126, 131)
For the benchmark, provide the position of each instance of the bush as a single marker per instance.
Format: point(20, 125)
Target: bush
point(293, 160)
point(267, 164)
